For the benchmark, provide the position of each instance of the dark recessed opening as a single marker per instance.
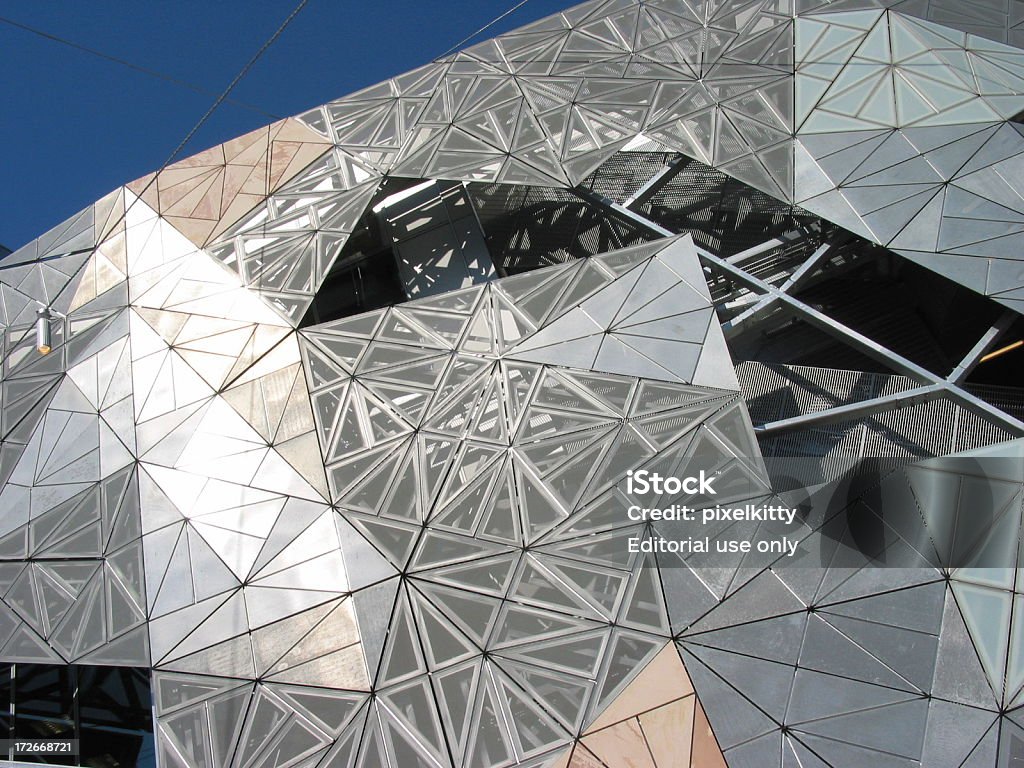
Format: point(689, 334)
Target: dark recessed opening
point(531, 227)
point(782, 338)
point(365, 275)
point(725, 215)
point(107, 709)
point(1004, 362)
point(916, 313)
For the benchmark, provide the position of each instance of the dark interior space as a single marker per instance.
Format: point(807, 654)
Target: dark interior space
point(724, 214)
point(365, 275)
point(917, 313)
point(912, 311)
point(532, 227)
point(107, 709)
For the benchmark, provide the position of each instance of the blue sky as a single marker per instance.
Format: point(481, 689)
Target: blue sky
point(75, 127)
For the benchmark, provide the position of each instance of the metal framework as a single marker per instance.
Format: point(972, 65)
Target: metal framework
point(400, 538)
point(772, 296)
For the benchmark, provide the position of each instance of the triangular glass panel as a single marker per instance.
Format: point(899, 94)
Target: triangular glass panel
point(473, 613)
point(395, 540)
point(368, 495)
point(402, 656)
point(456, 693)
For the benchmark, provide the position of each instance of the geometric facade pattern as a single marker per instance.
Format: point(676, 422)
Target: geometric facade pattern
point(485, 484)
point(205, 194)
point(447, 564)
point(396, 538)
point(892, 126)
point(285, 247)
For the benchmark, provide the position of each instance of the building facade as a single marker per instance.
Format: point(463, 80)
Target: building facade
point(328, 456)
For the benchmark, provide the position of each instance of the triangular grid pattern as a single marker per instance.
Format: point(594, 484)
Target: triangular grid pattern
point(70, 498)
point(171, 473)
point(207, 193)
point(756, 91)
point(388, 540)
point(474, 469)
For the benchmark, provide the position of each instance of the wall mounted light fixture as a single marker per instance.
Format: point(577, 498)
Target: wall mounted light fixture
point(44, 334)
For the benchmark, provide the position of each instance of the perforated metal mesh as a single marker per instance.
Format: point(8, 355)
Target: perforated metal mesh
point(917, 431)
point(530, 227)
point(625, 173)
point(724, 214)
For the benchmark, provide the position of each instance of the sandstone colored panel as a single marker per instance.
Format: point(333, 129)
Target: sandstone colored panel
point(656, 722)
point(662, 681)
point(584, 758)
point(205, 194)
point(705, 750)
point(622, 744)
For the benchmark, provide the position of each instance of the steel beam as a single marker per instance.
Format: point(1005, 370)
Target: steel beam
point(650, 188)
point(871, 348)
point(853, 411)
point(731, 327)
point(835, 328)
point(972, 358)
point(757, 250)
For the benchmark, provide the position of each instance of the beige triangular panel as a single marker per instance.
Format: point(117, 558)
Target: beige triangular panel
point(662, 681)
point(656, 722)
point(205, 194)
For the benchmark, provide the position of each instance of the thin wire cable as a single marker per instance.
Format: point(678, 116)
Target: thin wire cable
point(484, 28)
point(206, 116)
point(231, 86)
point(202, 121)
point(124, 63)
